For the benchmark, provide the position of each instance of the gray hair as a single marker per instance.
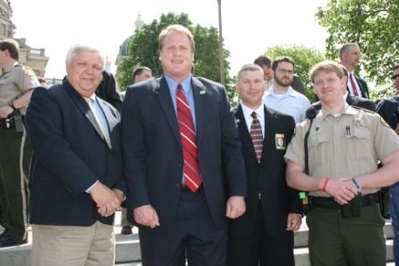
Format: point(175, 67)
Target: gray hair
point(77, 48)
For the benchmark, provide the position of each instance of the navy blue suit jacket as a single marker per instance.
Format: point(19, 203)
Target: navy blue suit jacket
point(152, 148)
point(70, 155)
point(266, 177)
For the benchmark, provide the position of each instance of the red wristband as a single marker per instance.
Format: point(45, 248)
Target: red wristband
point(325, 184)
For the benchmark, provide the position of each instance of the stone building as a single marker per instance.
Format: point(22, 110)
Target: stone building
point(123, 48)
point(33, 57)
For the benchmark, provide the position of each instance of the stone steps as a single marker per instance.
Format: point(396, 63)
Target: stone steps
point(128, 249)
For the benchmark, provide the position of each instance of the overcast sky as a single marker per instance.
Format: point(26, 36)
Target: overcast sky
point(249, 27)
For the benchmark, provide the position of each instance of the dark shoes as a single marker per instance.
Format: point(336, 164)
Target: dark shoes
point(126, 230)
point(9, 240)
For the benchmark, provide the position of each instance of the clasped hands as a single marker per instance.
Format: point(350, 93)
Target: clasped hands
point(342, 190)
point(107, 200)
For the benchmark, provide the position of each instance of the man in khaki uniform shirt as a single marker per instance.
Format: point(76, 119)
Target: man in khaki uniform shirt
point(16, 84)
point(345, 144)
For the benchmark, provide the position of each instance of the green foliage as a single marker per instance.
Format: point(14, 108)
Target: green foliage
point(304, 58)
point(370, 23)
point(143, 50)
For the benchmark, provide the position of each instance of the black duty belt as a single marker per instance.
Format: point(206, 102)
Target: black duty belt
point(330, 203)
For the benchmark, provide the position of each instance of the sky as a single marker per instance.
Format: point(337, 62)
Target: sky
point(249, 27)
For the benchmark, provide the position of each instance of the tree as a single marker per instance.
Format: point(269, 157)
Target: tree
point(304, 58)
point(370, 23)
point(143, 50)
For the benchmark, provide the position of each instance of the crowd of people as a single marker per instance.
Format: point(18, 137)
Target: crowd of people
point(204, 183)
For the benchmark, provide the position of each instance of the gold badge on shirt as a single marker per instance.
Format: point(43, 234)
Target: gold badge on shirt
point(280, 141)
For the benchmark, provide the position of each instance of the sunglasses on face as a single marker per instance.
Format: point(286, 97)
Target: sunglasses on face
point(394, 76)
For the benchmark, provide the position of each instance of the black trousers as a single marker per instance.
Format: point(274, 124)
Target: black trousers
point(193, 236)
point(15, 162)
point(261, 248)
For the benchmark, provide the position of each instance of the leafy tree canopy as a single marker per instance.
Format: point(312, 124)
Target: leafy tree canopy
point(370, 23)
point(143, 50)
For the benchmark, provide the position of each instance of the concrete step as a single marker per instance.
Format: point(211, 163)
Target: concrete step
point(128, 248)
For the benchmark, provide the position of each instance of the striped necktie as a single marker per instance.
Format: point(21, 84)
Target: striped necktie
point(353, 84)
point(99, 119)
point(256, 135)
point(191, 170)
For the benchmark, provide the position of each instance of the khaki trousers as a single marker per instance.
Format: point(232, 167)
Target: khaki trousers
point(73, 245)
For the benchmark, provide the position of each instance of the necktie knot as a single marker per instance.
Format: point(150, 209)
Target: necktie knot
point(253, 115)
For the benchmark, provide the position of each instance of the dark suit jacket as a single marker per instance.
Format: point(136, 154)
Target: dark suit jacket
point(152, 149)
point(354, 101)
point(70, 156)
point(297, 84)
point(389, 110)
point(108, 91)
point(268, 177)
point(363, 87)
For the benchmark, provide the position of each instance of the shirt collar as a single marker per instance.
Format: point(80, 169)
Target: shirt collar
point(247, 112)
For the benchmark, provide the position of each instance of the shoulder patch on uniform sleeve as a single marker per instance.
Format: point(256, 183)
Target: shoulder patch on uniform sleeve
point(28, 71)
point(383, 122)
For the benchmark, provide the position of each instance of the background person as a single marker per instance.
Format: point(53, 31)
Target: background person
point(350, 55)
point(389, 110)
point(16, 87)
point(266, 64)
point(281, 96)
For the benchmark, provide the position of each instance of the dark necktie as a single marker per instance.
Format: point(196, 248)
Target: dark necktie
point(256, 135)
point(191, 171)
point(353, 84)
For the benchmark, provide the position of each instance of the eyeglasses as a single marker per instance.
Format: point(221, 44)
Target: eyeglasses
point(394, 76)
point(285, 71)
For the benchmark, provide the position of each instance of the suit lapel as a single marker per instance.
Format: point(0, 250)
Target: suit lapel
point(268, 139)
point(245, 134)
point(85, 109)
point(163, 94)
point(109, 117)
point(200, 95)
point(362, 90)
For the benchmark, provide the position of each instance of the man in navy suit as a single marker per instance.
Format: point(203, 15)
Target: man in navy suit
point(76, 182)
point(264, 234)
point(177, 219)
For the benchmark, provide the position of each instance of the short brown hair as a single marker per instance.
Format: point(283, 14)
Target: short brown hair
point(11, 46)
point(176, 28)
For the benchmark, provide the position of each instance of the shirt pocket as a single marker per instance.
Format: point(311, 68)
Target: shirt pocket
point(319, 144)
point(359, 143)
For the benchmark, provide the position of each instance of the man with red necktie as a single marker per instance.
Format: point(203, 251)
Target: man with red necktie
point(349, 55)
point(183, 164)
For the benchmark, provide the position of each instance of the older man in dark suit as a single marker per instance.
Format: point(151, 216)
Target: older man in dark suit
point(264, 234)
point(76, 182)
point(184, 168)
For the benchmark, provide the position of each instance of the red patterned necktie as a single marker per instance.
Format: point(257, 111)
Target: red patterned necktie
point(353, 85)
point(191, 171)
point(256, 135)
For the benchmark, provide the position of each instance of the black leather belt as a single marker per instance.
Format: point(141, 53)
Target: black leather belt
point(330, 203)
